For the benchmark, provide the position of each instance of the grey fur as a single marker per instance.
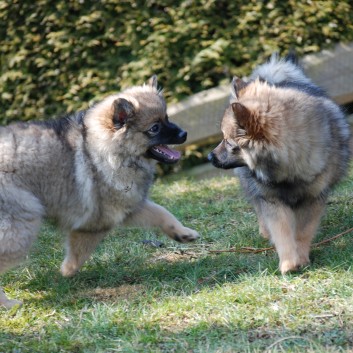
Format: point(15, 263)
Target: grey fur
point(289, 144)
point(87, 172)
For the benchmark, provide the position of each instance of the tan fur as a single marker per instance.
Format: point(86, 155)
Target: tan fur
point(289, 144)
point(87, 173)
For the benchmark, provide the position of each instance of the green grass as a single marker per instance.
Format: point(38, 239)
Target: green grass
point(180, 298)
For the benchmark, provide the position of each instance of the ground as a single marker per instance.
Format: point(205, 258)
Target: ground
point(135, 297)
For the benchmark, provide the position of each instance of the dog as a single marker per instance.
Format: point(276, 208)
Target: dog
point(289, 145)
point(90, 172)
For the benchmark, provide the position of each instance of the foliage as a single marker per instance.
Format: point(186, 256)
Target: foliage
point(58, 56)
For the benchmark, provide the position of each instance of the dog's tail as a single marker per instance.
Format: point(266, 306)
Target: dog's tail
point(292, 57)
point(278, 71)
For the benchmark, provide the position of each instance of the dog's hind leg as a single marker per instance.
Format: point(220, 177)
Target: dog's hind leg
point(20, 220)
point(308, 220)
point(79, 247)
point(152, 215)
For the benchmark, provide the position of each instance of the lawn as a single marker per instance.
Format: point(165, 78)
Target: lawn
point(136, 297)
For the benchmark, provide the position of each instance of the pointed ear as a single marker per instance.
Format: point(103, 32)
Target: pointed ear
point(242, 115)
point(237, 85)
point(247, 121)
point(122, 111)
point(153, 82)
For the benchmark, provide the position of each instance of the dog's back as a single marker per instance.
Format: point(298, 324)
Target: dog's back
point(39, 157)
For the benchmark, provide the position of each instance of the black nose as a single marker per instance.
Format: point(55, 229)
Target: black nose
point(210, 156)
point(182, 135)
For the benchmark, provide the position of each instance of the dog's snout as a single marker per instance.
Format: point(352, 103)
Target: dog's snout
point(210, 156)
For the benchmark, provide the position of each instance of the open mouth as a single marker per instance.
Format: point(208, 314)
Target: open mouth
point(164, 154)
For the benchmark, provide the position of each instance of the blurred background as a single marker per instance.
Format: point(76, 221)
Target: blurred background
point(60, 56)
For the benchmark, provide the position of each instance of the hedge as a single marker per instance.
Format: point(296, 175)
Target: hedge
point(60, 56)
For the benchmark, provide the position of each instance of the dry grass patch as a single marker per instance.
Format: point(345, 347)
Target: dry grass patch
point(112, 295)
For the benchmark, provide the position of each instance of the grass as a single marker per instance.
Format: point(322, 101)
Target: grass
point(132, 297)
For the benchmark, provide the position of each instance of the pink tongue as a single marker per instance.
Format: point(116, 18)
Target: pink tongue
point(169, 152)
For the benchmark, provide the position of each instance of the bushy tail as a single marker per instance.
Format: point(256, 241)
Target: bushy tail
point(276, 71)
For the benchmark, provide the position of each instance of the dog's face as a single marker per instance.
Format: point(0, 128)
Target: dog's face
point(137, 123)
point(160, 134)
point(228, 154)
point(249, 127)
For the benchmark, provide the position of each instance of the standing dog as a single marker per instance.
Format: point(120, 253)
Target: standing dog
point(289, 144)
point(89, 171)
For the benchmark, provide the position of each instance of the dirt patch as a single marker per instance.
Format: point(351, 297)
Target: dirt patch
point(177, 256)
point(125, 291)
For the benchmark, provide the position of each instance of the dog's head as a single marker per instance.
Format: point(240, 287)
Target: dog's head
point(135, 122)
point(246, 126)
point(228, 154)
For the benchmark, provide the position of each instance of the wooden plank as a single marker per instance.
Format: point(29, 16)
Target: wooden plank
point(200, 115)
point(332, 70)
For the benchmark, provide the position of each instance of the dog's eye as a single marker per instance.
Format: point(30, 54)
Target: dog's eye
point(228, 144)
point(232, 146)
point(154, 129)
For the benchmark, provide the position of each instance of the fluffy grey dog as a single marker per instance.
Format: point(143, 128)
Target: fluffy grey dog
point(289, 144)
point(90, 171)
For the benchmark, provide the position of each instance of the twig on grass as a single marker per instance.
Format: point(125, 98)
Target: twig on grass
point(246, 249)
point(286, 339)
point(333, 238)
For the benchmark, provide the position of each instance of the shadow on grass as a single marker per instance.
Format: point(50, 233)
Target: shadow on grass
point(143, 277)
point(182, 277)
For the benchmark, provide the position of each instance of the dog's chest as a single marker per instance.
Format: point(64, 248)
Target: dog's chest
point(107, 201)
point(124, 195)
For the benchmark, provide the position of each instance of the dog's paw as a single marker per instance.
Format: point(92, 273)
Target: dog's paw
point(289, 266)
point(68, 268)
point(186, 235)
point(294, 265)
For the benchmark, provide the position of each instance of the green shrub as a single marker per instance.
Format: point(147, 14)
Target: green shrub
point(57, 56)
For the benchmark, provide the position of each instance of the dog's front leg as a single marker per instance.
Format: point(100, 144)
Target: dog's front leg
point(280, 221)
point(79, 247)
point(151, 215)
